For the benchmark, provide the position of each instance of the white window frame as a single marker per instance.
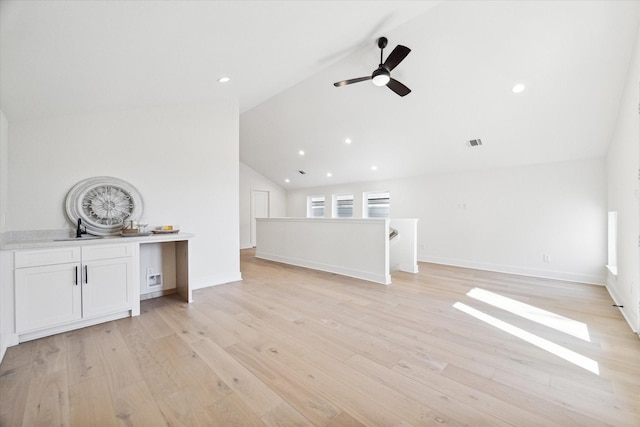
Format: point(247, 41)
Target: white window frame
point(375, 194)
point(310, 207)
point(612, 242)
point(337, 198)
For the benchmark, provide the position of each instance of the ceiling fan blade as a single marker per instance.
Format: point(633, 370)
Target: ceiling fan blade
point(398, 87)
point(396, 57)
point(350, 81)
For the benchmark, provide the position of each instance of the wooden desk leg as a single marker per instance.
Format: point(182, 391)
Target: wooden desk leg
point(182, 270)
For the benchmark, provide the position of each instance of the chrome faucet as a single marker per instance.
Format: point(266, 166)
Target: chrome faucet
point(79, 231)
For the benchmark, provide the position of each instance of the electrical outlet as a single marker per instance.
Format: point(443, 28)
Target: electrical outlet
point(546, 258)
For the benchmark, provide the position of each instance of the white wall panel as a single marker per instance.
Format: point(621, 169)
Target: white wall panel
point(182, 159)
point(502, 219)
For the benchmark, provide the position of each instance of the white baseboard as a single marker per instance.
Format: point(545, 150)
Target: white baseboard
point(363, 275)
point(28, 336)
point(409, 268)
point(246, 246)
point(523, 271)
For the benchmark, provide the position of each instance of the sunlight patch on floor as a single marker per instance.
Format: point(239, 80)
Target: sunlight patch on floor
point(568, 355)
point(543, 317)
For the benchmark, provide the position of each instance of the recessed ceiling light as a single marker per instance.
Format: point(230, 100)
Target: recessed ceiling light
point(301, 152)
point(287, 180)
point(518, 88)
point(329, 174)
point(374, 168)
point(224, 79)
point(347, 141)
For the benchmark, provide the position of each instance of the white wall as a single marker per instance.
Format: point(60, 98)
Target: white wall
point(4, 169)
point(623, 164)
point(501, 219)
point(183, 160)
point(252, 180)
point(5, 297)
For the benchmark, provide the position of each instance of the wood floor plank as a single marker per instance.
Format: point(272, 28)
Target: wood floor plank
point(313, 406)
point(521, 398)
point(232, 411)
point(360, 402)
point(50, 355)
point(14, 390)
point(284, 415)
point(92, 405)
point(191, 324)
point(603, 412)
point(83, 358)
point(345, 420)
point(183, 408)
point(256, 394)
point(47, 402)
point(289, 346)
point(520, 414)
point(189, 371)
point(445, 403)
point(134, 405)
point(120, 367)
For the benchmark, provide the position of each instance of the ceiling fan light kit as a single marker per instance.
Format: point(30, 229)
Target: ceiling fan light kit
point(382, 75)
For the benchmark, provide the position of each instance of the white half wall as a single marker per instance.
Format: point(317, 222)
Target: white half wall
point(623, 164)
point(252, 180)
point(352, 247)
point(182, 159)
point(501, 219)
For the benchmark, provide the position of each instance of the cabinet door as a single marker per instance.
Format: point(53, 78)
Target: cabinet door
point(107, 286)
point(47, 296)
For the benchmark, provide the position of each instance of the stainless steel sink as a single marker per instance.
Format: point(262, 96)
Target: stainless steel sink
point(84, 237)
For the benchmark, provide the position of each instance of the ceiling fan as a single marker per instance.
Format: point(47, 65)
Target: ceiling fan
point(382, 75)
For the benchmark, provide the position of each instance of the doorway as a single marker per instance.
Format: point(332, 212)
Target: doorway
point(259, 209)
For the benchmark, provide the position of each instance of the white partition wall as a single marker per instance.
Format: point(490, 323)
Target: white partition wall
point(352, 247)
point(403, 248)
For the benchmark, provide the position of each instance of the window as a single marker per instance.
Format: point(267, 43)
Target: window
point(612, 242)
point(376, 205)
point(315, 207)
point(343, 206)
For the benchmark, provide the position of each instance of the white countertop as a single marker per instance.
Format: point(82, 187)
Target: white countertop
point(42, 240)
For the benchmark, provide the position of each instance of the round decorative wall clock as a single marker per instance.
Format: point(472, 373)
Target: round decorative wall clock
point(103, 203)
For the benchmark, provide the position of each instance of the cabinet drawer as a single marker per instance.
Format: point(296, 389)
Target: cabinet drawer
point(95, 252)
point(39, 257)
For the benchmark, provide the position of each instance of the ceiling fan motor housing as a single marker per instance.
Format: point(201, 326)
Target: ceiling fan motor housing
point(381, 76)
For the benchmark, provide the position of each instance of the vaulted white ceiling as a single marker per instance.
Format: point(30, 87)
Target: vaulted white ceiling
point(69, 57)
point(466, 57)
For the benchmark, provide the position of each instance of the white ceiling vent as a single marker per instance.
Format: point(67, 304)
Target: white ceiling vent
point(301, 172)
point(474, 143)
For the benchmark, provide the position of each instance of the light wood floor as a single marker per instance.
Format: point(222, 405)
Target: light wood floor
point(289, 346)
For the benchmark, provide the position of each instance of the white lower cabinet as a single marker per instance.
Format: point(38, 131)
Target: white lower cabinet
point(58, 286)
point(47, 296)
point(107, 286)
